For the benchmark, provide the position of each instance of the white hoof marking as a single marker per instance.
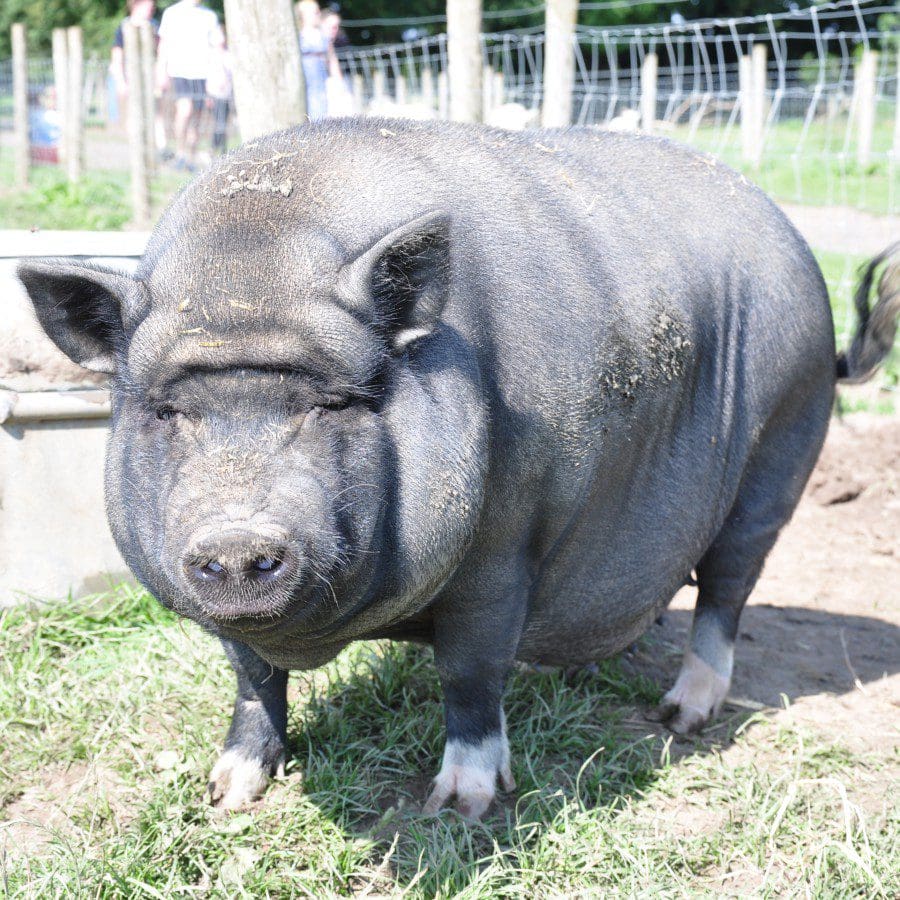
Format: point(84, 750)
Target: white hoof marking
point(236, 780)
point(697, 695)
point(469, 772)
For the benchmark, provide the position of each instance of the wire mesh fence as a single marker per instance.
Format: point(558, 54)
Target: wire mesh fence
point(805, 101)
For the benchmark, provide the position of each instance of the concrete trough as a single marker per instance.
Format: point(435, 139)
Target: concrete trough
point(54, 539)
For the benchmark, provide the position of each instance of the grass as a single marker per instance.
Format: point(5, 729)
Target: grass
point(92, 692)
point(101, 201)
point(815, 168)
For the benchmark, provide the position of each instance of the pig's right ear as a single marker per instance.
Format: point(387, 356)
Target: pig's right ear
point(405, 276)
point(80, 309)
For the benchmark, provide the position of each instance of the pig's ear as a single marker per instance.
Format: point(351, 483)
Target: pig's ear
point(406, 275)
point(79, 307)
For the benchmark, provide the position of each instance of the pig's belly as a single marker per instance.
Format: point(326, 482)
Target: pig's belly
point(583, 614)
point(609, 580)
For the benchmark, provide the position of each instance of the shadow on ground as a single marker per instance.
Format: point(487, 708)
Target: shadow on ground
point(581, 739)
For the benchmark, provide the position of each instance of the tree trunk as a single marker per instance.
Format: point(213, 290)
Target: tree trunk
point(559, 63)
point(269, 92)
point(464, 59)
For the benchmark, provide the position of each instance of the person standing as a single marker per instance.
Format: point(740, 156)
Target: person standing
point(318, 58)
point(219, 91)
point(188, 33)
point(139, 11)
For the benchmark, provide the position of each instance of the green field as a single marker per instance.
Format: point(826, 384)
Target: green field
point(112, 713)
point(815, 168)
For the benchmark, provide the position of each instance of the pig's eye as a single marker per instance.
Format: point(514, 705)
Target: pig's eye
point(164, 413)
point(334, 404)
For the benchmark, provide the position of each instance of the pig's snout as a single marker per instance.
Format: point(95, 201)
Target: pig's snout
point(240, 562)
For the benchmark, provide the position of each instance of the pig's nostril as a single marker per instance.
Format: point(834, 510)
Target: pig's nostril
point(208, 571)
point(265, 567)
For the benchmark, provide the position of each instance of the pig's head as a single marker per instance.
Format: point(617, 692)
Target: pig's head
point(252, 472)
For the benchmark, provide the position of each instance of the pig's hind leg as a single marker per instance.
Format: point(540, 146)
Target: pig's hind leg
point(727, 573)
point(255, 747)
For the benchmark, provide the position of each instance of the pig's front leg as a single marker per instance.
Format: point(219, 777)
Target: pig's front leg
point(474, 648)
point(255, 747)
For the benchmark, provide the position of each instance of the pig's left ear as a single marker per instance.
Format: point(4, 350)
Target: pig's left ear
point(80, 309)
point(406, 275)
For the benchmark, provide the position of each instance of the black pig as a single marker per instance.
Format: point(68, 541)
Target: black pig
point(497, 392)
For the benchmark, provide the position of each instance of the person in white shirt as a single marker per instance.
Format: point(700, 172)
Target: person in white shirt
point(188, 32)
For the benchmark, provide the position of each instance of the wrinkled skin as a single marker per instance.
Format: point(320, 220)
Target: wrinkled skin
point(497, 393)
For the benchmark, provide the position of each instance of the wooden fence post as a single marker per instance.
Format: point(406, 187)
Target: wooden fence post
point(75, 105)
point(269, 90)
point(649, 70)
point(487, 92)
point(428, 87)
point(559, 63)
point(497, 93)
point(359, 94)
point(400, 97)
point(745, 99)
point(147, 40)
point(866, 71)
point(61, 83)
point(464, 59)
point(137, 123)
point(758, 104)
point(378, 87)
point(20, 104)
point(443, 83)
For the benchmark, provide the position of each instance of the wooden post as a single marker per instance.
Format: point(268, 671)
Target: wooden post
point(378, 89)
point(559, 63)
point(269, 90)
point(745, 94)
point(147, 40)
point(464, 59)
point(61, 83)
point(866, 71)
point(137, 123)
point(428, 87)
point(443, 84)
point(400, 90)
point(498, 90)
point(359, 95)
point(649, 70)
point(758, 103)
point(20, 104)
point(487, 98)
point(75, 105)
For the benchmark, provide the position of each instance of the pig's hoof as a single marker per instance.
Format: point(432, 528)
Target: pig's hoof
point(237, 780)
point(695, 698)
point(469, 773)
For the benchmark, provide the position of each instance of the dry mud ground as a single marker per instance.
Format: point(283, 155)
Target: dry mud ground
point(823, 625)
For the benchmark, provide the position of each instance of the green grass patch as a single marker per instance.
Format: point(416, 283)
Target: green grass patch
point(101, 201)
point(814, 166)
point(92, 691)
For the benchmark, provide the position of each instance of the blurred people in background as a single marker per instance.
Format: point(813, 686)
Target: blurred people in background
point(317, 55)
point(218, 90)
point(139, 11)
point(338, 94)
point(331, 26)
point(188, 33)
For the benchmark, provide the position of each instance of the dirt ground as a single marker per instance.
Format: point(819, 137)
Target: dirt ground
point(823, 624)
